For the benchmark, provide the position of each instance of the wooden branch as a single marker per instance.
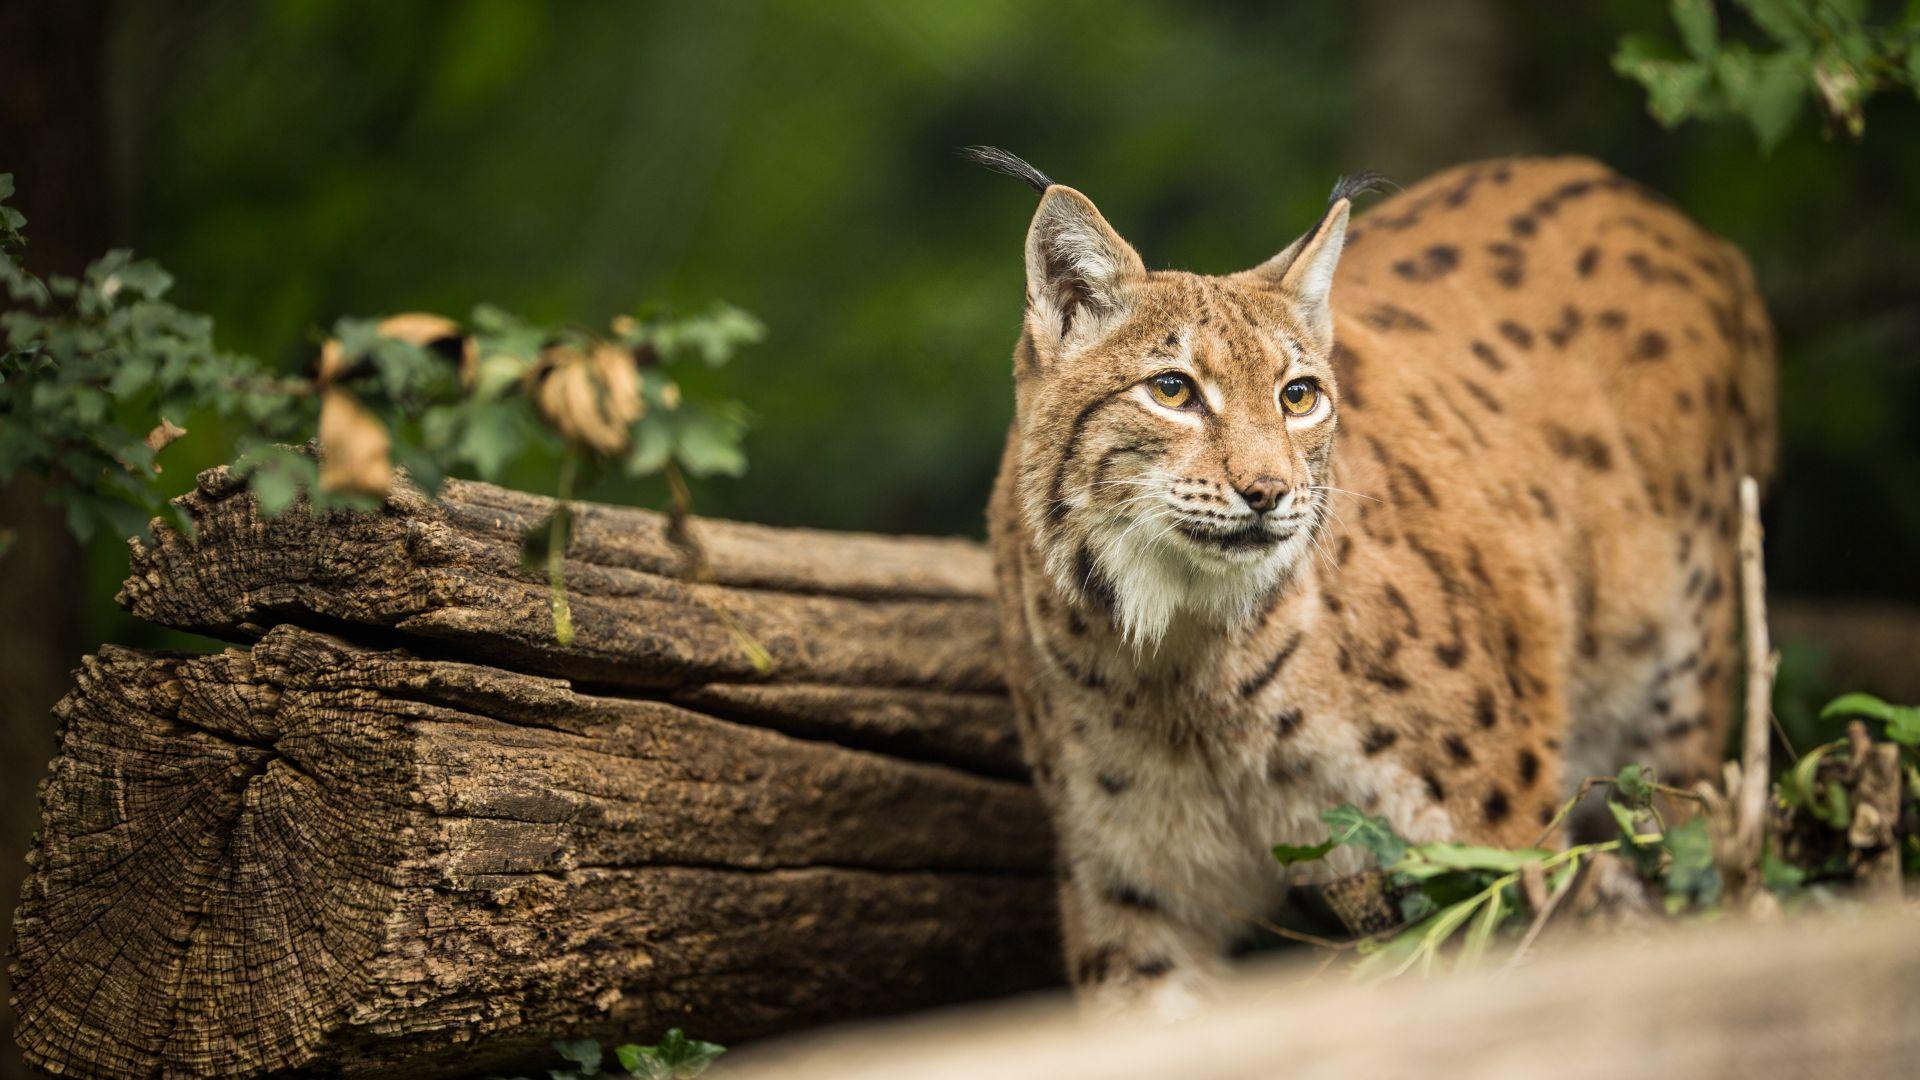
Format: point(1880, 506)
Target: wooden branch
point(1734, 1000)
point(1751, 819)
point(312, 854)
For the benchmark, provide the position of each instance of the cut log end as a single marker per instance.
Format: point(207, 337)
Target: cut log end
point(313, 853)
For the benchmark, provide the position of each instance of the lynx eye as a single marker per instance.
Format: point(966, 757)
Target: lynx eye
point(1173, 390)
point(1299, 397)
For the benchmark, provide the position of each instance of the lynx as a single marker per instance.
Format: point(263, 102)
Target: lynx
point(1433, 514)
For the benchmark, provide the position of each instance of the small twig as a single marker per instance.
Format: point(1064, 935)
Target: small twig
point(696, 567)
point(1750, 822)
point(1541, 917)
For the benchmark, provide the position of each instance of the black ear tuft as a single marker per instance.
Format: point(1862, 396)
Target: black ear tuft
point(1350, 187)
point(1000, 161)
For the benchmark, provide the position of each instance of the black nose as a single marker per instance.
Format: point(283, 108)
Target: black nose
point(1265, 493)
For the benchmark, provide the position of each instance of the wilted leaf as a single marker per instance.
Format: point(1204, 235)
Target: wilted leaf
point(163, 435)
point(419, 328)
point(354, 447)
point(591, 397)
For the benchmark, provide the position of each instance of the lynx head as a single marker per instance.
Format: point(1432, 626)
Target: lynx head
point(1174, 430)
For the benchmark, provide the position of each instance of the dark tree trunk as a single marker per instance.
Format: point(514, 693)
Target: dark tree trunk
point(52, 140)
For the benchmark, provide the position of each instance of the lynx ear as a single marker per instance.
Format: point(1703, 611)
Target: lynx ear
point(1080, 273)
point(1303, 273)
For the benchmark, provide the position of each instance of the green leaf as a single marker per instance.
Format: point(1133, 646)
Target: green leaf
point(675, 1058)
point(1902, 721)
point(1676, 89)
point(1699, 28)
point(582, 1052)
point(1779, 86)
point(1691, 872)
point(652, 445)
point(1778, 874)
point(1348, 824)
point(1288, 854)
point(1426, 859)
point(1480, 934)
point(1784, 21)
point(1635, 785)
point(708, 442)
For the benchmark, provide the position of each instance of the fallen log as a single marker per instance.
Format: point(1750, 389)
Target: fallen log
point(1808, 996)
point(404, 832)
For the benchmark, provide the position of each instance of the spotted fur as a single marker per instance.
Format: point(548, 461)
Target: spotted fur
point(1502, 561)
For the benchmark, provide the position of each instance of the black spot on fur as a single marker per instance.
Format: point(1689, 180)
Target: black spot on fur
point(1496, 806)
point(1112, 784)
point(1095, 966)
point(1458, 750)
point(1589, 259)
point(1611, 319)
point(1519, 335)
point(1152, 967)
point(1486, 400)
point(1483, 710)
point(1131, 897)
point(1529, 768)
point(1377, 739)
point(1484, 353)
point(1271, 669)
point(1435, 790)
point(1391, 317)
point(1286, 722)
point(1650, 345)
point(1436, 262)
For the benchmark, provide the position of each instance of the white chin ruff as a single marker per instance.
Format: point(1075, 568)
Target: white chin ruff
point(1158, 578)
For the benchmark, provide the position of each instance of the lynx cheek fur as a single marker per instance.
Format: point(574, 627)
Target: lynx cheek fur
point(1437, 535)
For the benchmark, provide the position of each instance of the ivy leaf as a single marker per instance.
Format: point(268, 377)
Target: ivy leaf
point(1288, 854)
point(1902, 721)
point(675, 1058)
point(1350, 825)
point(582, 1052)
point(708, 441)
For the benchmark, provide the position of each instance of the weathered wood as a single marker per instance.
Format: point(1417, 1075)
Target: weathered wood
point(836, 609)
point(1802, 997)
point(315, 854)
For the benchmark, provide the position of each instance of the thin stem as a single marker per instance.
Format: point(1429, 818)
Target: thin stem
point(558, 532)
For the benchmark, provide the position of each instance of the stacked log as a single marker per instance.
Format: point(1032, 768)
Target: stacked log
point(400, 829)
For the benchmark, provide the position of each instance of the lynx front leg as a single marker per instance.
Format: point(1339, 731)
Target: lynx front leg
point(1128, 947)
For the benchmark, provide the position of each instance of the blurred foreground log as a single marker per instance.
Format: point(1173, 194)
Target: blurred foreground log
point(1812, 996)
point(405, 833)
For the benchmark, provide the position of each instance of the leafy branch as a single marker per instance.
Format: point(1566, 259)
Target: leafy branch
point(1823, 49)
point(99, 374)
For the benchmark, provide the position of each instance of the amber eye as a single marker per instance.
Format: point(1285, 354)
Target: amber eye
point(1299, 397)
point(1172, 390)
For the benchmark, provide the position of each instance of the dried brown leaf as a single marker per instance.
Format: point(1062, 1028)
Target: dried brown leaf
point(354, 447)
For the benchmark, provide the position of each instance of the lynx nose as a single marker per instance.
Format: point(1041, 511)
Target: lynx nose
point(1264, 494)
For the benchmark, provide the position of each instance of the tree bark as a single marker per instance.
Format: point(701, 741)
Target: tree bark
point(385, 839)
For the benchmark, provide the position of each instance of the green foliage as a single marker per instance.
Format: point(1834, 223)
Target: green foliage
point(1902, 721)
point(675, 1057)
point(98, 372)
point(1822, 48)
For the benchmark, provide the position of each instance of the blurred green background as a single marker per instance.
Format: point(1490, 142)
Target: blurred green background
point(295, 161)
